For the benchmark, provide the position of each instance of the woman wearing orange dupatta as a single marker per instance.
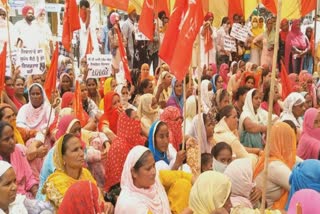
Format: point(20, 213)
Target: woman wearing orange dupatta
point(281, 161)
point(109, 120)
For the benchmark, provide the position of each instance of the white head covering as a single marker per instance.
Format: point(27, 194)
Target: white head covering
point(4, 166)
point(205, 98)
point(139, 200)
point(294, 99)
point(200, 137)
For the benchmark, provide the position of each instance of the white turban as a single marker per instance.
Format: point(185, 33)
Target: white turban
point(4, 166)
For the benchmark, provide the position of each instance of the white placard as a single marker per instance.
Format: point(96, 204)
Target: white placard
point(229, 44)
point(239, 32)
point(8, 62)
point(99, 65)
point(31, 61)
point(138, 35)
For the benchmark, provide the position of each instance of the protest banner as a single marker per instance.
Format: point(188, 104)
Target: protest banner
point(99, 65)
point(239, 32)
point(138, 35)
point(31, 61)
point(229, 44)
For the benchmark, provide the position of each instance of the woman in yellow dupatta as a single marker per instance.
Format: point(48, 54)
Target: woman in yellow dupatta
point(281, 160)
point(68, 158)
point(109, 85)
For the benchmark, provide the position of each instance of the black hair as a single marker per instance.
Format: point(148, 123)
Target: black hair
point(264, 73)
point(266, 92)
point(162, 14)
point(143, 85)
point(93, 79)
point(2, 126)
point(225, 112)
point(254, 93)
point(129, 112)
point(142, 160)
point(8, 78)
point(21, 78)
point(161, 123)
point(216, 79)
point(291, 124)
point(250, 77)
point(236, 15)
point(240, 92)
point(204, 117)
point(219, 147)
point(206, 77)
point(223, 94)
point(65, 139)
point(205, 159)
point(84, 3)
point(2, 110)
point(224, 20)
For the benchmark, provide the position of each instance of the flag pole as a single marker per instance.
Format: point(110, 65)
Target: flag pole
point(270, 107)
point(198, 68)
point(9, 40)
point(184, 113)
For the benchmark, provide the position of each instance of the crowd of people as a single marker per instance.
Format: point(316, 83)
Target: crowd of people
point(159, 145)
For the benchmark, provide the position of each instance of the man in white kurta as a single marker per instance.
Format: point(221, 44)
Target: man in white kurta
point(26, 30)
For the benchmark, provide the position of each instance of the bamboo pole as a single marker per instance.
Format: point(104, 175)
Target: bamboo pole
point(9, 39)
point(270, 107)
point(200, 140)
point(184, 114)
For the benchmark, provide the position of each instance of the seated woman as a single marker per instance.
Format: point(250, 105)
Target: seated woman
point(141, 189)
point(14, 154)
point(221, 99)
point(276, 98)
point(7, 115)
point(163, 90)
point(210, 194)
point(129, 129)
point(108, 86)
point(217, 82)
point(145, 87)
point(281, 161)
point(249, 80)
point(68, 158)
point(172, 117)
point(87, 122)
point(305, 175)
point(18, 97)
point(109, 120)
point(252, 119)
point(221, 156)
point(206, 135)
point(309, 143)
point(176, 98)
point(239, 99)
point(165, 155)
point(77, 200)
point(308, 199)
point(293, 109)
point(66, 83)
point(244, 192)
point(93, 94)
point(148, 112)
point(11, 202)
point(124, 94)
point(226, 131)
point(89, 106)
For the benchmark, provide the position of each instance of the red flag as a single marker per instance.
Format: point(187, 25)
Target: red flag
point(286, 87)
point(146, 21)
point(119, 4)
point(71, 23)
point(123, 57)
point(162, 5)
point(307, 6)
point(78, 104)
point(208, 41)
point(89, 44)
point(3, 60)
point(189, 31)
point(235, 7)
point(171, 35)
point(270, 5)
point(4, 2)
point(51, 79)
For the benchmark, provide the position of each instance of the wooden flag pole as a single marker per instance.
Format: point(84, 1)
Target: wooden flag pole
point(200, 140)
point(184, 113)
point(9, 40)
point(270, 107)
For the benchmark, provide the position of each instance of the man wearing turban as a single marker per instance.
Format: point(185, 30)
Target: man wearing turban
point(208, 34)
point(127, 30)
point(26, 30)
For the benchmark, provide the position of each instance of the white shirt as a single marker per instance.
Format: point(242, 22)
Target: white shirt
point(28, 33)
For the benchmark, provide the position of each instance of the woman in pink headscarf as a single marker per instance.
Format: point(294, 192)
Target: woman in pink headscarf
point(309, 200)
point(294, 82)
point(296, 47)
point(224, 70)
point(309, 144)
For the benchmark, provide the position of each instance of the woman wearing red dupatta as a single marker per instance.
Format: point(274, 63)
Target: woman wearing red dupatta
point(109, 120)
point(129, 129)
